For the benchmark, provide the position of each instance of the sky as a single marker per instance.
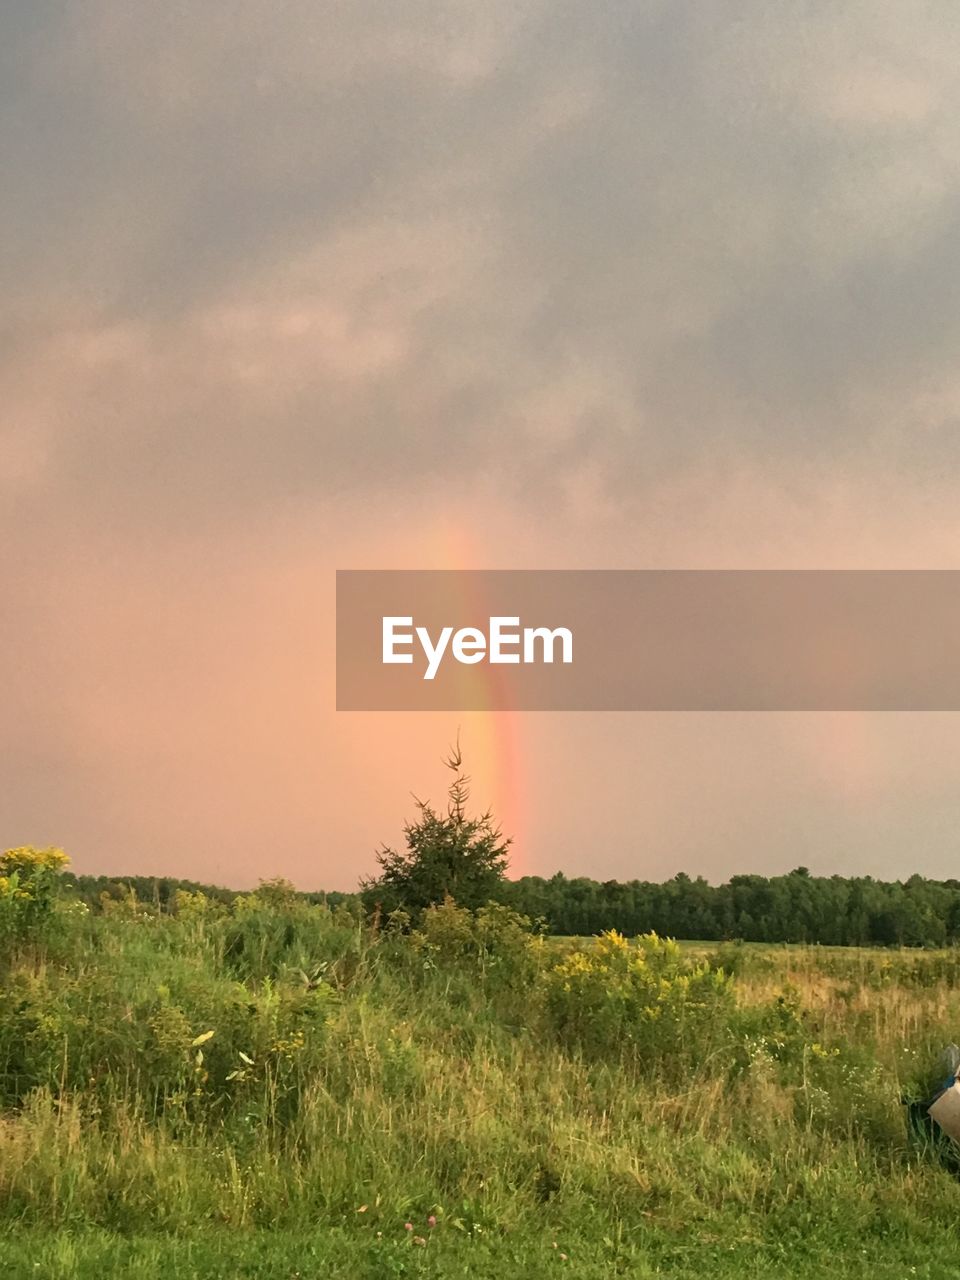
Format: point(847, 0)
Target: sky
point(288, 287)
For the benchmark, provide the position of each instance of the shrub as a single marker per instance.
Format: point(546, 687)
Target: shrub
point(741, 960)
point(264, 939)
point(29, 881)
point(494, 942)
point(642, 1000)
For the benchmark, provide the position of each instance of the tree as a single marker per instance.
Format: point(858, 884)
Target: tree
point(447, 855)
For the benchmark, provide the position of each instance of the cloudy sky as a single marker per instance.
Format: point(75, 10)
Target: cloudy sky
point(293, 286)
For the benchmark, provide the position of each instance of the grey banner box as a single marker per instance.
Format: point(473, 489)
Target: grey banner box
point(659, 640)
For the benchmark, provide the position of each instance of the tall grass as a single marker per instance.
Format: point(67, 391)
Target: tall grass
point(275, 1065)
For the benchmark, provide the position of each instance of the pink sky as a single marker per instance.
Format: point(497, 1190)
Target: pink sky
point(496, 286)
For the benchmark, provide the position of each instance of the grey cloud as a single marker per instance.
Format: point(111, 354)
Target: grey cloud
point(716, 227)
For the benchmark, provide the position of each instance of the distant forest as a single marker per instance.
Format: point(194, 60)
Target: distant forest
point(797, 907)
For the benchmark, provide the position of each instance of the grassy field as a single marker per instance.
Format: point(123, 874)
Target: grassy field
point(275, 1091)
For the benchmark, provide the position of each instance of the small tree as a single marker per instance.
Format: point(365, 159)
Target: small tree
point(447, 855)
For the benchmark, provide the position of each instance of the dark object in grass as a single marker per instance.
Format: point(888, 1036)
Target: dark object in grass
point(928, 1135)
point(546, 1183)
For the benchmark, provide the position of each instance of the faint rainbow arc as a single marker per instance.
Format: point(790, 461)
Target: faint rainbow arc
point(492, 745)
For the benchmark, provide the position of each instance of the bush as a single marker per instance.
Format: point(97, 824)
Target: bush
point(29, 881)
point(269, 936)
point(497, 944)
point(642, 1000)
point(741, 960)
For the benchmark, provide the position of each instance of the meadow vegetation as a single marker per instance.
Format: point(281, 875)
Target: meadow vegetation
point(272, 1088)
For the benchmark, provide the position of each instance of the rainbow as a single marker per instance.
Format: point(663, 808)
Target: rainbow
point(491, 735)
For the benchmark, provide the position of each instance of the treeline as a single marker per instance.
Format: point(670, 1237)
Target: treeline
point(834, 910)
point(161, 891)
point(798, 907)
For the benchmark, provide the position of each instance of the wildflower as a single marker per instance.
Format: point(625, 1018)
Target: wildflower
point(408, 1226)
point(563, 1257)
point(431, 1221)
point(419, 1240)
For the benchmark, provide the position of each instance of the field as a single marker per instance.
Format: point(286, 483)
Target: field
point(275, 1090)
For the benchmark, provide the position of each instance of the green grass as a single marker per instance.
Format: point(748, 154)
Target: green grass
point(338, 1252)
point(353, 1083)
